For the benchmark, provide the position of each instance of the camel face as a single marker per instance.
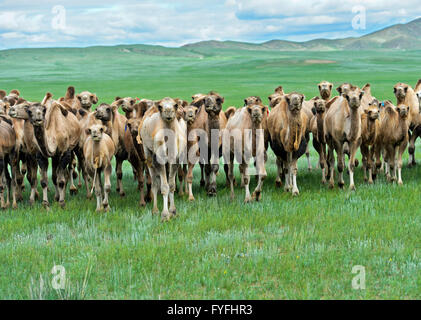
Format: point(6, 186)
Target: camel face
point(253, 100)
point(354, 97)
point(403, 111)
point(36, 113)
point(133, 126)
point(190, 113)
point(295, 101)
point(4, 108)
point(18, 111)
point(320, 105)
point(274, 99)
point(419, 97)
point(256, 112)
point(325, 89)
point(168, 109)
point(104, 112)
point(373, 110)
point(87, 99)
point(344, 88)
point(96, 131)
point(127, 104)
point(213, 104)
point(400, 90)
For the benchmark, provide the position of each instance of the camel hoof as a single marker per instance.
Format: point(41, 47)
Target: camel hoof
point(352, 188)
point(165, 216)
point(331, 185)
point(256, 196)
point(14, 206)
point(191, 198)
point(89, 196)
point(370, 182)
point(122, 194)
point(400, 183)
point(155, 211)
point(73, 190)
point(181, 193)
point(98, 210)
point(62, 204)
point(142, 203)
point(173, 212)
point(295, 193)
point(341, 184)
point(278, 184)
point(46, 205)
point(247, 200)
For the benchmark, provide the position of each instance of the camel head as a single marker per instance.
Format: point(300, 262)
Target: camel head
point(143, 106)
point(213, 104)
point(256, 111)
point(373, 110)
point(252, 101)
point(4, 108)
point(354, 96)
point(167, 108)
point(180, 109)
point(133, 126)
point(325, 89)
point(295, 101)
point(274, 99)
point(36, 113)
point(419, 98)
point(96, 131)
point(344, 88)
point(87, 99)
point(18, 111)
point(403, 111)
point(400, 90)
point(190, 113)
point(319, 106)
point(13, 97)
point(104, 112)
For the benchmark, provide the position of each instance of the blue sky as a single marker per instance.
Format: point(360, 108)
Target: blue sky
point(48, 23)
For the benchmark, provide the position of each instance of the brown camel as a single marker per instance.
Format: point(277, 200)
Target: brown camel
point(342, 124)
point(243, 138)
point(57, 135)
point(98, 152)
point(392, 138)
point(369, 132)
point(287, 128)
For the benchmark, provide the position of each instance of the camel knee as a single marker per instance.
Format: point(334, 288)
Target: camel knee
point(165, 188)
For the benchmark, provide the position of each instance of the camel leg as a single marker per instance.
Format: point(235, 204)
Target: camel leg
point(261, 175)
point(98, 191)
point(287, 170)
point(2, 178)
point(43, 166)
point(231, 178)
point(154, 187)
point(72, 168)
point(54, 162)
point(293, 174)
point(62, 173)
point(165, 214)
point(210, 175)
point(246, 179)
point(401, 150)
point(370, 164)
point(148, 197)
point(119, 174)
point(181, 179)
point(14, 169)
point(107, 187)
point(202, 174)
point(390, 167)
point(331, 166)
point(173, 168)
point(141, 184)
point(307, 137)
point(189, 180)
point(278, 181)
point(411, 149)
point(341, 164)
point(32, 178)
point(351, 164)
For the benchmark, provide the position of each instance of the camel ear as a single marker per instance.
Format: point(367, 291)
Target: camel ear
point(94, 98)
point(88, 131)
point(158, 105)
point(303, 97)
point(406, 89)
point(279, 90)
point(79, 97)
point(118, 102)
point(220, 100)
point(132, 102)
point(394, 89)
point(361, 94)
point(117, 98)
point(245, 102)
point(2, 94)
point(16, 92)
point(339, 89)
point(103, 129)
point(288, 99)
point(82, 112)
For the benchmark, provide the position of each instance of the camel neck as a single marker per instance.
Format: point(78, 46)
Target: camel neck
point(39, 132)
point(355, 124)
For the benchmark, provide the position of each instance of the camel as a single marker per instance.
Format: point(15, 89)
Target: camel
point(369, 132)
point(56, 133)
point(342, 124)
point(243, 138)
point(7, 157)
point(204, 134)
point(116, 124)
point(164, 145)
point(98, 152)
point(406, 95)
point(392, 138)
point(287, 128)
point(28, 146)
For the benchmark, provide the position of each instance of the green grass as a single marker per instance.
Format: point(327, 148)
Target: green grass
point(280, 248)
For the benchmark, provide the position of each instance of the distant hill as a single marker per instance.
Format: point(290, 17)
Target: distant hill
point(399, 36)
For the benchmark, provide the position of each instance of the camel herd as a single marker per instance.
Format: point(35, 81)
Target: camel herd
point(163, 141)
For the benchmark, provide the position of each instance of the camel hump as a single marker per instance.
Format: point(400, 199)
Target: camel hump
point(15, 91)
point(230, 111)
point(279, 90)
point(47, 97)
point(2, 94)
point(418, 85)
point(70, 93)
point(367, 89)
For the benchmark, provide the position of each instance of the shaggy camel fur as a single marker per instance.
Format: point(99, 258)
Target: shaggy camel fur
point(164, 144)
point(318, 132)
point(57, 135)
point(287, 127)
point(369, 132)
point(205, 133)
point(406, 95)
point(7, 157)
point(342, 124)
point(243, 138)
point(98, 152)
point(28, 146)
point(116, 124)
point(392, 138)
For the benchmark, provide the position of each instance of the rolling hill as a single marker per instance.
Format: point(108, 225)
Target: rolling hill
point(399, 36)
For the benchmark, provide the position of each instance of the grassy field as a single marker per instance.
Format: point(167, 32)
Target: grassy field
point(280, 248)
